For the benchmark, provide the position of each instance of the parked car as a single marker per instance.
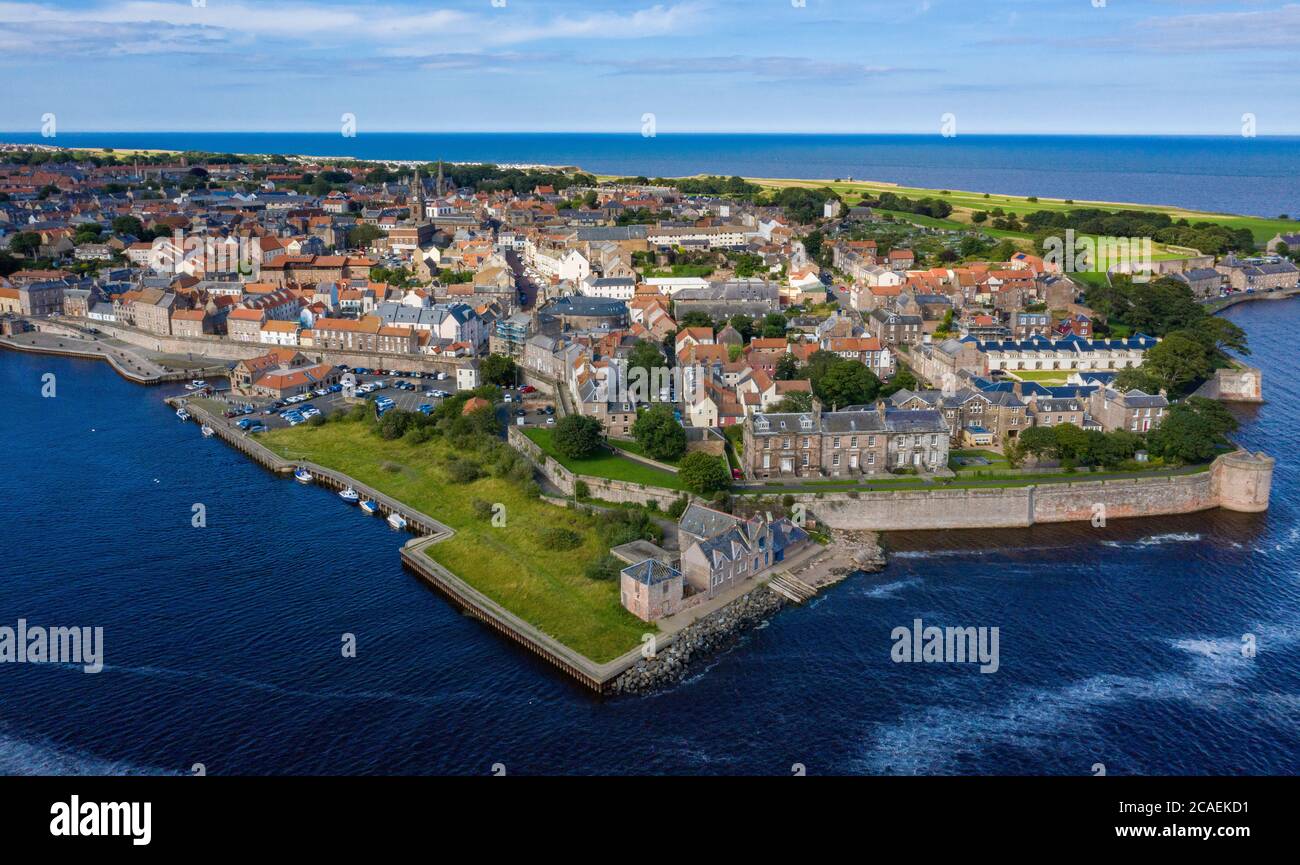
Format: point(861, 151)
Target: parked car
point(528, 388)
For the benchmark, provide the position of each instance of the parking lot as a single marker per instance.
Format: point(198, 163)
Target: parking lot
point(407, 393)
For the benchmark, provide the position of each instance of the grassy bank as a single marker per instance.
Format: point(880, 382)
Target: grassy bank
point(607, 465)
point(512, 565)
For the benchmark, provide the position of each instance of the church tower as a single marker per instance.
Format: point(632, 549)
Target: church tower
point(441, 187)
point(417, 197)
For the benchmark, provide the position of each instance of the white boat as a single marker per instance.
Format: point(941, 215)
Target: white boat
point(182, 414)
point(397, 521)
point(350, 496)
point(302, 476)
point(208, 432)
point(197, 384)
point(370, 507)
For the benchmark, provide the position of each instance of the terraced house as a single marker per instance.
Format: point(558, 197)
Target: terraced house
point(974, 418)
point(859, 440)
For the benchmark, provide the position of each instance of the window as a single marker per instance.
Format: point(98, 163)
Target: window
point(835, 460)
point(806, 443)
point(805, 460)
point(871, 459)
point(853, 442)
point(785, 444)
point(837, 441)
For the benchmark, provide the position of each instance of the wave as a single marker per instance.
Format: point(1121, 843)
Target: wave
point(1154, 541)
point(931, 741)
point(891, 590)
point(20, 756)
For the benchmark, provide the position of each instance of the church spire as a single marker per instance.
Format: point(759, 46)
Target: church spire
point(441, 187)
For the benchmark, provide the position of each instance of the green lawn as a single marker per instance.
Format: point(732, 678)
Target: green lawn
point(607, 465)
point(634, 447)
point(1043, 376)
point(1262, 228)
point(510, 564)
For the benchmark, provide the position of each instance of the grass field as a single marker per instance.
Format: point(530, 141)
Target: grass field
point(607, 465)
point(965, 203)
point(511, 565)
point(1047, 376)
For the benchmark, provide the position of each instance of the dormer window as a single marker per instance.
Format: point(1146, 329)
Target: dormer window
point(805, 422)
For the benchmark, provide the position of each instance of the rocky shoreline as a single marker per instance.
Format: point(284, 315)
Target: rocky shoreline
point(850, 552)
point(703, 639)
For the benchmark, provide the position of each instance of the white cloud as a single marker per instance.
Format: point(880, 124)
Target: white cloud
point(378, 29)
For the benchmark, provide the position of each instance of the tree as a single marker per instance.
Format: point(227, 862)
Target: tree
point(787, 368)
point(1136, 378)
point(1221, 335)
point(645, 355)
point(847, 383)
point(658, 431)
point(797, 401)
point(902, 380)
point(499, 370)
point(128, 225)
point(25, 243)
point(774, 325)
point(1071, 443)
point(1177, 361)
point(703, 473)
point(1037, 441)
point(577, 436)
point(1192, 432)
point(363, 235)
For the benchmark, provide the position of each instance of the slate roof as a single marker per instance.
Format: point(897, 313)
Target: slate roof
point(705, 522)
point(652, 572)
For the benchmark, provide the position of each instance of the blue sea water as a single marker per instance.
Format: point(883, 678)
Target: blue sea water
point(1118, 646)
point(1256, 176)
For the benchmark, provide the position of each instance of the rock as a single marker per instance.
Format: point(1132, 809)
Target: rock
point(701, 639)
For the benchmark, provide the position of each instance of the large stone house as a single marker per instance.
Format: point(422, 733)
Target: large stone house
point(859, 440)
point(1134, 410)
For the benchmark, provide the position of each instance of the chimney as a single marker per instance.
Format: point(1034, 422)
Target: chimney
point(817, 411)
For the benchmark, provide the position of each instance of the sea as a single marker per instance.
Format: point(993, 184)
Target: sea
point(1119, 647)
point(1224, 174)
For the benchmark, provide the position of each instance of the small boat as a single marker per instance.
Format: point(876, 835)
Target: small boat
point(397, 521)
point(302, 476)
point(370, 507)
point(197, 384)
point(182, 414)
point(208, 432)
point(350, 496)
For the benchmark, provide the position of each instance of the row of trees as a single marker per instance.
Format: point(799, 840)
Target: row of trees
point(1192, 432)
point(1208, 237)
point(580, 437)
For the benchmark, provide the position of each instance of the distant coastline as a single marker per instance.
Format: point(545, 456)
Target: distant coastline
point(1217, 174)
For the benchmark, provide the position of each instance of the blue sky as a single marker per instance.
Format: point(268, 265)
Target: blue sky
point(999, 66)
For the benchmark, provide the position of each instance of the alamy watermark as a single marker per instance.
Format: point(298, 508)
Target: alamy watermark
point(934, 645)
point(1091, 254)
point(54, 645)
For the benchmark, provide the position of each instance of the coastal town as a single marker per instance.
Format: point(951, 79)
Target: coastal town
point(691, 382)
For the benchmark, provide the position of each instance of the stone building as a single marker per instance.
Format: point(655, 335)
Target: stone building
point(856, 441)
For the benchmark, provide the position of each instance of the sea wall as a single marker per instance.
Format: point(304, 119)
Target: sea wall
point(1239, 481)
point(222, 348)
